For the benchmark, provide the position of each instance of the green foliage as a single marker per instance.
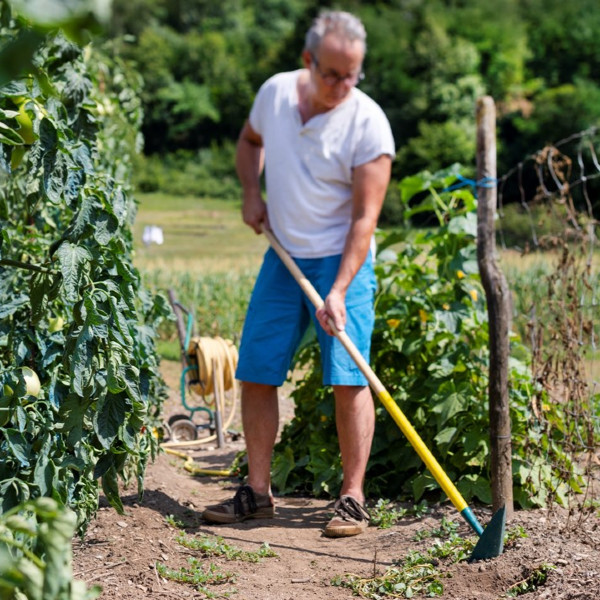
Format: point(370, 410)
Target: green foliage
point(384, 514)
point(430, 348)
point(208, 173)
point(211, 546)
point(203, 575)
point(532, 582)
point(73, 308)
point(418, 573)
point(35, 553)
point(197, 574)
point(201, 62)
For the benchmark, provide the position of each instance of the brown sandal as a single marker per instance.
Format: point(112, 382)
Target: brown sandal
point(350, 518)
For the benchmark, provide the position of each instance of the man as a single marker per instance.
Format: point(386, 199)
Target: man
point(327, 150)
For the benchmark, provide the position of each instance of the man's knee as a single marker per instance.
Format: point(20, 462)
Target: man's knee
point(250, 389)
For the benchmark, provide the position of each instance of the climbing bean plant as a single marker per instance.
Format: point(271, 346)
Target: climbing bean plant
point(430, 349)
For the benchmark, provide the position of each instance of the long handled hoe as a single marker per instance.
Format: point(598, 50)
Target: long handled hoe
point(491, 540)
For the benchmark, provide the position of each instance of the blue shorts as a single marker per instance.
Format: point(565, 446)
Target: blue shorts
point(279, 314)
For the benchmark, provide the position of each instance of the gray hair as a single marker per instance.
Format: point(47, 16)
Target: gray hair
point(343, 24)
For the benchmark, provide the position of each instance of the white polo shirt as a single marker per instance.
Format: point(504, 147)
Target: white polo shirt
point(308, 167)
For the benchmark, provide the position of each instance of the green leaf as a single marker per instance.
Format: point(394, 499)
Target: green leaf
point(80, 363)
point(43, 474)
point(12, 304)
point(110, 415)
point(48, 142)
point(475, 486)
point(445, 436)
point(21, 524)
point(85, 215)
point(73, 260)
point(10, 136)
point(449, 407)
point(38, 286)
point(115, 379)
point(132, 378)
point(283, 464)
point(464, 224)
point(409, 186)
point(422, 483)
point(105, 228)
point(55, 538)
point(20, 448)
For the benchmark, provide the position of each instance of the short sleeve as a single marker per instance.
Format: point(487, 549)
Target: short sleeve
point(376, 137)
point(259, 107)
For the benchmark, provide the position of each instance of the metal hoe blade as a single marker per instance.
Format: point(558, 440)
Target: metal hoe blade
point(491, 541)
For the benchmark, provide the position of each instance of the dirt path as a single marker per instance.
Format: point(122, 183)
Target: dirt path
point(121, 552)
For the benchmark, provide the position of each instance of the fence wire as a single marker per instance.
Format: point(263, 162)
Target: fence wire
point(547, 229)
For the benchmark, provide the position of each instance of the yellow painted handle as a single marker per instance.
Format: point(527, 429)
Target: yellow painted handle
point(400, 419)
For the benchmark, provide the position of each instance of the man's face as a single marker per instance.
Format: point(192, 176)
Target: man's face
point(334, 70)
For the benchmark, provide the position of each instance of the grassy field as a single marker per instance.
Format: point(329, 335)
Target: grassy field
point(200, 236)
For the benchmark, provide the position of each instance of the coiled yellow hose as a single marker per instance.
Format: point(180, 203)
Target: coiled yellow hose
point(216, 360)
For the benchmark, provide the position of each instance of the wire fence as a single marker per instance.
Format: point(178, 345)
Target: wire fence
point(547, 230)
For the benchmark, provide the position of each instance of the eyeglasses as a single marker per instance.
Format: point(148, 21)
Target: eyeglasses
point(331, 78)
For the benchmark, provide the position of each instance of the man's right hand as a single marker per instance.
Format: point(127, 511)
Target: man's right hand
point(254, 212)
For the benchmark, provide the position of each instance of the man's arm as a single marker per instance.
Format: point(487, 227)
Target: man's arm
point(369, 185)
point(249, 163)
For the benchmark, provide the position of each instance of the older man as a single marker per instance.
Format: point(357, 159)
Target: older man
point(327, 149)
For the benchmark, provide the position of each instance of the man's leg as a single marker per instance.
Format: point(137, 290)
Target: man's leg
point(355, 422)
point(260, 418)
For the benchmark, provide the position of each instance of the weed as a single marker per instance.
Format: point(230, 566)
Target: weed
point(532, 582)
point(513, 534)
point(447, 529)
point(198, 575)
point(417, 573)
point(384, 514)
point(420, 510)
point(214, 547)
point(174, 522)
point(211, 546)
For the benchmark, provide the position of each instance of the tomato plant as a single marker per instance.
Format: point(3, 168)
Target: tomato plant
point(72, 308)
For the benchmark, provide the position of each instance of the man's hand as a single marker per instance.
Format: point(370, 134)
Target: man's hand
point(254, 212)
point(333, 308)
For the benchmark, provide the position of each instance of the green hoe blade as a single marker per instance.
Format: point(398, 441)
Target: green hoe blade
point(491, 542)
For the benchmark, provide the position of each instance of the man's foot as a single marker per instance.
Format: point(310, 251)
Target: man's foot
point(246, 504)
point(350, 518)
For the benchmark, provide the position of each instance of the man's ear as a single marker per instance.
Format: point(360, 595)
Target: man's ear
point(306, 59)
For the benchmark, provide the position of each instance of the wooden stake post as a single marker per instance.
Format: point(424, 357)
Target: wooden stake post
point(499, 307)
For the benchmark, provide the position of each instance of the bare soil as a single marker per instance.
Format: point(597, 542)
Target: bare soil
point(121, 552)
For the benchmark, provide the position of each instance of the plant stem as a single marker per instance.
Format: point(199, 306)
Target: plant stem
point(32, 557)
point(22, 265)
